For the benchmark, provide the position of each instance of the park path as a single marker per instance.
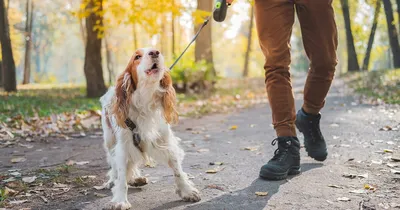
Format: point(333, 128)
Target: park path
point(360, 156)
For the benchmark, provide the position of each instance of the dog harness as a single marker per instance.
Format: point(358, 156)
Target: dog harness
point(136, 137)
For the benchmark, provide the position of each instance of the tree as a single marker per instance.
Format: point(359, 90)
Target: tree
point(398, 13)
point(95, 86)
point(249, 41)
point(203, 48)
point(392, 33)
point(8, 64)
point(28, 41)
point(372, 35)
point(352, 62)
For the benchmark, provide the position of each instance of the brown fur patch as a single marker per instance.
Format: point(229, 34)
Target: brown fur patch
point(169, 99)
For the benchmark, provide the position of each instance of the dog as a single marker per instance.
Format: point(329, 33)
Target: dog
point(136, 119)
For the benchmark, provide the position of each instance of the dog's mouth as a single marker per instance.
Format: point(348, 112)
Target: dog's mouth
point(153, 70)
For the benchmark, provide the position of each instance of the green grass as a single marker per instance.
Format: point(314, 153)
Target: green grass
point(43, 101)
point(382, 84)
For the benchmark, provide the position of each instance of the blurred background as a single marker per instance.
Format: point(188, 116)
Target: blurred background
point(63, 54)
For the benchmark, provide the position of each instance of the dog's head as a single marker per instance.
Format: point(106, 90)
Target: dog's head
point(146, 69)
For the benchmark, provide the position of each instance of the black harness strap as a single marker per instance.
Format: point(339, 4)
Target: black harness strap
point(136, 137)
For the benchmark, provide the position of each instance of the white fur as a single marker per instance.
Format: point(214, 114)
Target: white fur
point(158, 140)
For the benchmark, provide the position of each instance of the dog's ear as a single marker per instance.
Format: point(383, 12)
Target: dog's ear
point(169, 99)
point(126, 85)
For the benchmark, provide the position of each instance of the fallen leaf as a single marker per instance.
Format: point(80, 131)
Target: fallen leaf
point(393, 165)
point(207, 136)
point(15, 174)
point(233, 127)
point(351, 176)
point(26, 145)
point(99, 187)
point(350, 159)
point(16, 202)
point(345, 199)
point(335, 137)
point(82, 163)
point(365, 176)
point(360, 191)
point(213, 186)
point(70, 163)
point(261, 193)
point(216, 163)
point(390, 142)
point(345, 145)
point(386, 128)
point(396, 158)
point(203, 150)
point(334, 125)
point(11, 179)
point(29, 179)
point(9, 192)
point(100, 195)
point(395, 171)
point(44, 199)
point(211, 171)
point(251, 148)
point(253, 125)
point(368, 187)
point(387, 151)
point(378, 141)
point(59, 185)
point(89, 177)
point(335, 186)
point(378, 162)
point(18, 160)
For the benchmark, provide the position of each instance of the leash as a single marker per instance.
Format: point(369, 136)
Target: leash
point(191, 42)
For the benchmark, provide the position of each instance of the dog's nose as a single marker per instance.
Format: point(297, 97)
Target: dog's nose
point(154, 53)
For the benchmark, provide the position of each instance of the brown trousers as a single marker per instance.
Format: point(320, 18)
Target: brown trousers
point(274, 20)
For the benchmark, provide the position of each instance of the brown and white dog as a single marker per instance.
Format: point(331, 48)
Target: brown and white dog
point(145, 95)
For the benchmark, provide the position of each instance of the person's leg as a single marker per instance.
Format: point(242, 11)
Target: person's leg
point(319, 33)
point(274, 20)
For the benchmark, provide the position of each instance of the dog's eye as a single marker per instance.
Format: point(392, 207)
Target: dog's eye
point(137, 57)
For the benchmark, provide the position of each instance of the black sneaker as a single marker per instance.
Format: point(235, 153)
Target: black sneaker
point(314, 142)
point(286, 160)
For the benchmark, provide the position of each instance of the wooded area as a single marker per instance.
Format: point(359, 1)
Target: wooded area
point(64, 41)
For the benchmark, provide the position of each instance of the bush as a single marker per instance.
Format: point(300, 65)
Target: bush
point(193, 77)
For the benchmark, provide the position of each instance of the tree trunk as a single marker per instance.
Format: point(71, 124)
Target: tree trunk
point(203, 48)
point(372, 35)
point(92, 67)
point(398, 13)
point(352, 62)
point(1, 74)
point(9, 76)
point(110, 65)
point(28, 41)
point(392, 33)
point(249, 41)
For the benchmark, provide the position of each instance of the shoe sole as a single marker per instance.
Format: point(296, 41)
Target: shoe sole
point(279, 176)
point(315, 157)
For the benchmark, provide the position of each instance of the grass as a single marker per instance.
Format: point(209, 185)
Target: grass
point(382, 84)
point(44, 100)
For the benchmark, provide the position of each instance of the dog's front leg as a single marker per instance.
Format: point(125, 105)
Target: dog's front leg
point(185, 188)
point(120, 189)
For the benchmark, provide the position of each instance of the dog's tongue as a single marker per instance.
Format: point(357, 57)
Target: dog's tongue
point(151, 71)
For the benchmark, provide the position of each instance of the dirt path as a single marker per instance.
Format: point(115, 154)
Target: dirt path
point(357, 149)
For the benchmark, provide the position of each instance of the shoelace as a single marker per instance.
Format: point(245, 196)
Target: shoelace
point(314, 130)
point(281, 152)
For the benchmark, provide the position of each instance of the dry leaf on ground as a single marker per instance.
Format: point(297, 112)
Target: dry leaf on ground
point(29, 179)
point(261, 193)
point(18, 160)
point(251, 148)
point(345, 199)
point(233, 127)
point(213, 186)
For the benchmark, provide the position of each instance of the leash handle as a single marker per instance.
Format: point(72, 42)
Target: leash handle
point(194, 39)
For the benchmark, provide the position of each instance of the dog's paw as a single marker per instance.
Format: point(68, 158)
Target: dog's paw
point(117, 206)
point(138, 182)
point(189, 195)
